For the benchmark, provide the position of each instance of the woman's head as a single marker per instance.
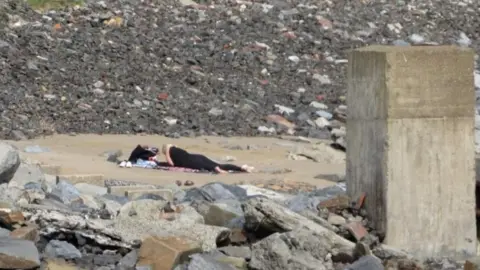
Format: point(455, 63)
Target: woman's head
point(153, 150)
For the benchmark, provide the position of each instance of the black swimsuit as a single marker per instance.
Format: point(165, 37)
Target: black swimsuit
point(182, 158)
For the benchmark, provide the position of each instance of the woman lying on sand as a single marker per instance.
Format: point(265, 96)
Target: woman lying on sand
point(180, 158)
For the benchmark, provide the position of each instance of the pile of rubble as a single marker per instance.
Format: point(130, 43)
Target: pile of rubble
point(184, 68)
point(46, 222)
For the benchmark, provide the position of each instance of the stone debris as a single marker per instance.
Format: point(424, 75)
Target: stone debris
point(281, 225)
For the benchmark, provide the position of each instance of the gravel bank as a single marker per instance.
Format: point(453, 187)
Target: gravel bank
point(213, 67)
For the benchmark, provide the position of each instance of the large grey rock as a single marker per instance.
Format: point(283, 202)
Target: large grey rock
point(216, 191)
point(65, 192)
point(91, 202)
point(139, 219)
point(119, 199)
point(141, 208)
point(90, 189)
point(10, 195)
point(298, 249)
point(4, 233)
point(111, 206)
point(205, 261)
point(178, 193)
point(310, 200)
point(368, 262)
point(62, 249)
point(9, 162)
point(27, 173)
point(53, 204)
point(33, 193)
point(270, 217)
point(218, 214)
point(128, 261)
point(18, 254)
point(95, 230)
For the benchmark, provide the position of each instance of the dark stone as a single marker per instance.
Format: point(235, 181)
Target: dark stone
point(128, 261)
point(106, 259)
point(368, 262)
point(216, 191)
point(220, 213)
point(62, 249)
point(310, 200)
point(80, 239)
point(64, 192)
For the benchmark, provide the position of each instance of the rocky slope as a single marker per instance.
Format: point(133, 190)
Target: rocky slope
point(49, 223)
point(212, 67)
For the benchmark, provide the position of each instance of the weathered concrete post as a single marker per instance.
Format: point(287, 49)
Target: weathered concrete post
point(410, 140)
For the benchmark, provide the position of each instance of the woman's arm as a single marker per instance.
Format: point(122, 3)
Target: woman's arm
point(167, 155)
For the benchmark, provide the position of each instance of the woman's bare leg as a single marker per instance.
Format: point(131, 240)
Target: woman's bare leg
point(218, 170)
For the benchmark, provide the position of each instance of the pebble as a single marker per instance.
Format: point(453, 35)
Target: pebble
point(324, 114)
point(294, 59)
point(464, 40)
point(416, 38)
point(322, 122)
point(400, 42)
point(318, 105)
point(98, 91)
point(35, 149)
point(215, 112)
point(284, 109)
point(323, 79)
point(266, 129)
point(336, 220)
point(170, 121)
point(98, 84)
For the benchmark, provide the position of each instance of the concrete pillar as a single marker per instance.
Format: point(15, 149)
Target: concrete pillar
point(410, 139)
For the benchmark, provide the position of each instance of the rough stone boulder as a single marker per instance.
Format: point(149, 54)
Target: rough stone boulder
point(18, 254)
point(297, 249)
point(218, 214)
point(269, 217)
point(215, 262)
point(165, 252)
point(140, 219)
point(51, 222)
point(9, 162)
point(28, 173)
point(368, 262)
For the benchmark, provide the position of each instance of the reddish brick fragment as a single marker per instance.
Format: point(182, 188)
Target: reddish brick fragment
point(357, 230)
point(162, 96)
point(360, 201)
